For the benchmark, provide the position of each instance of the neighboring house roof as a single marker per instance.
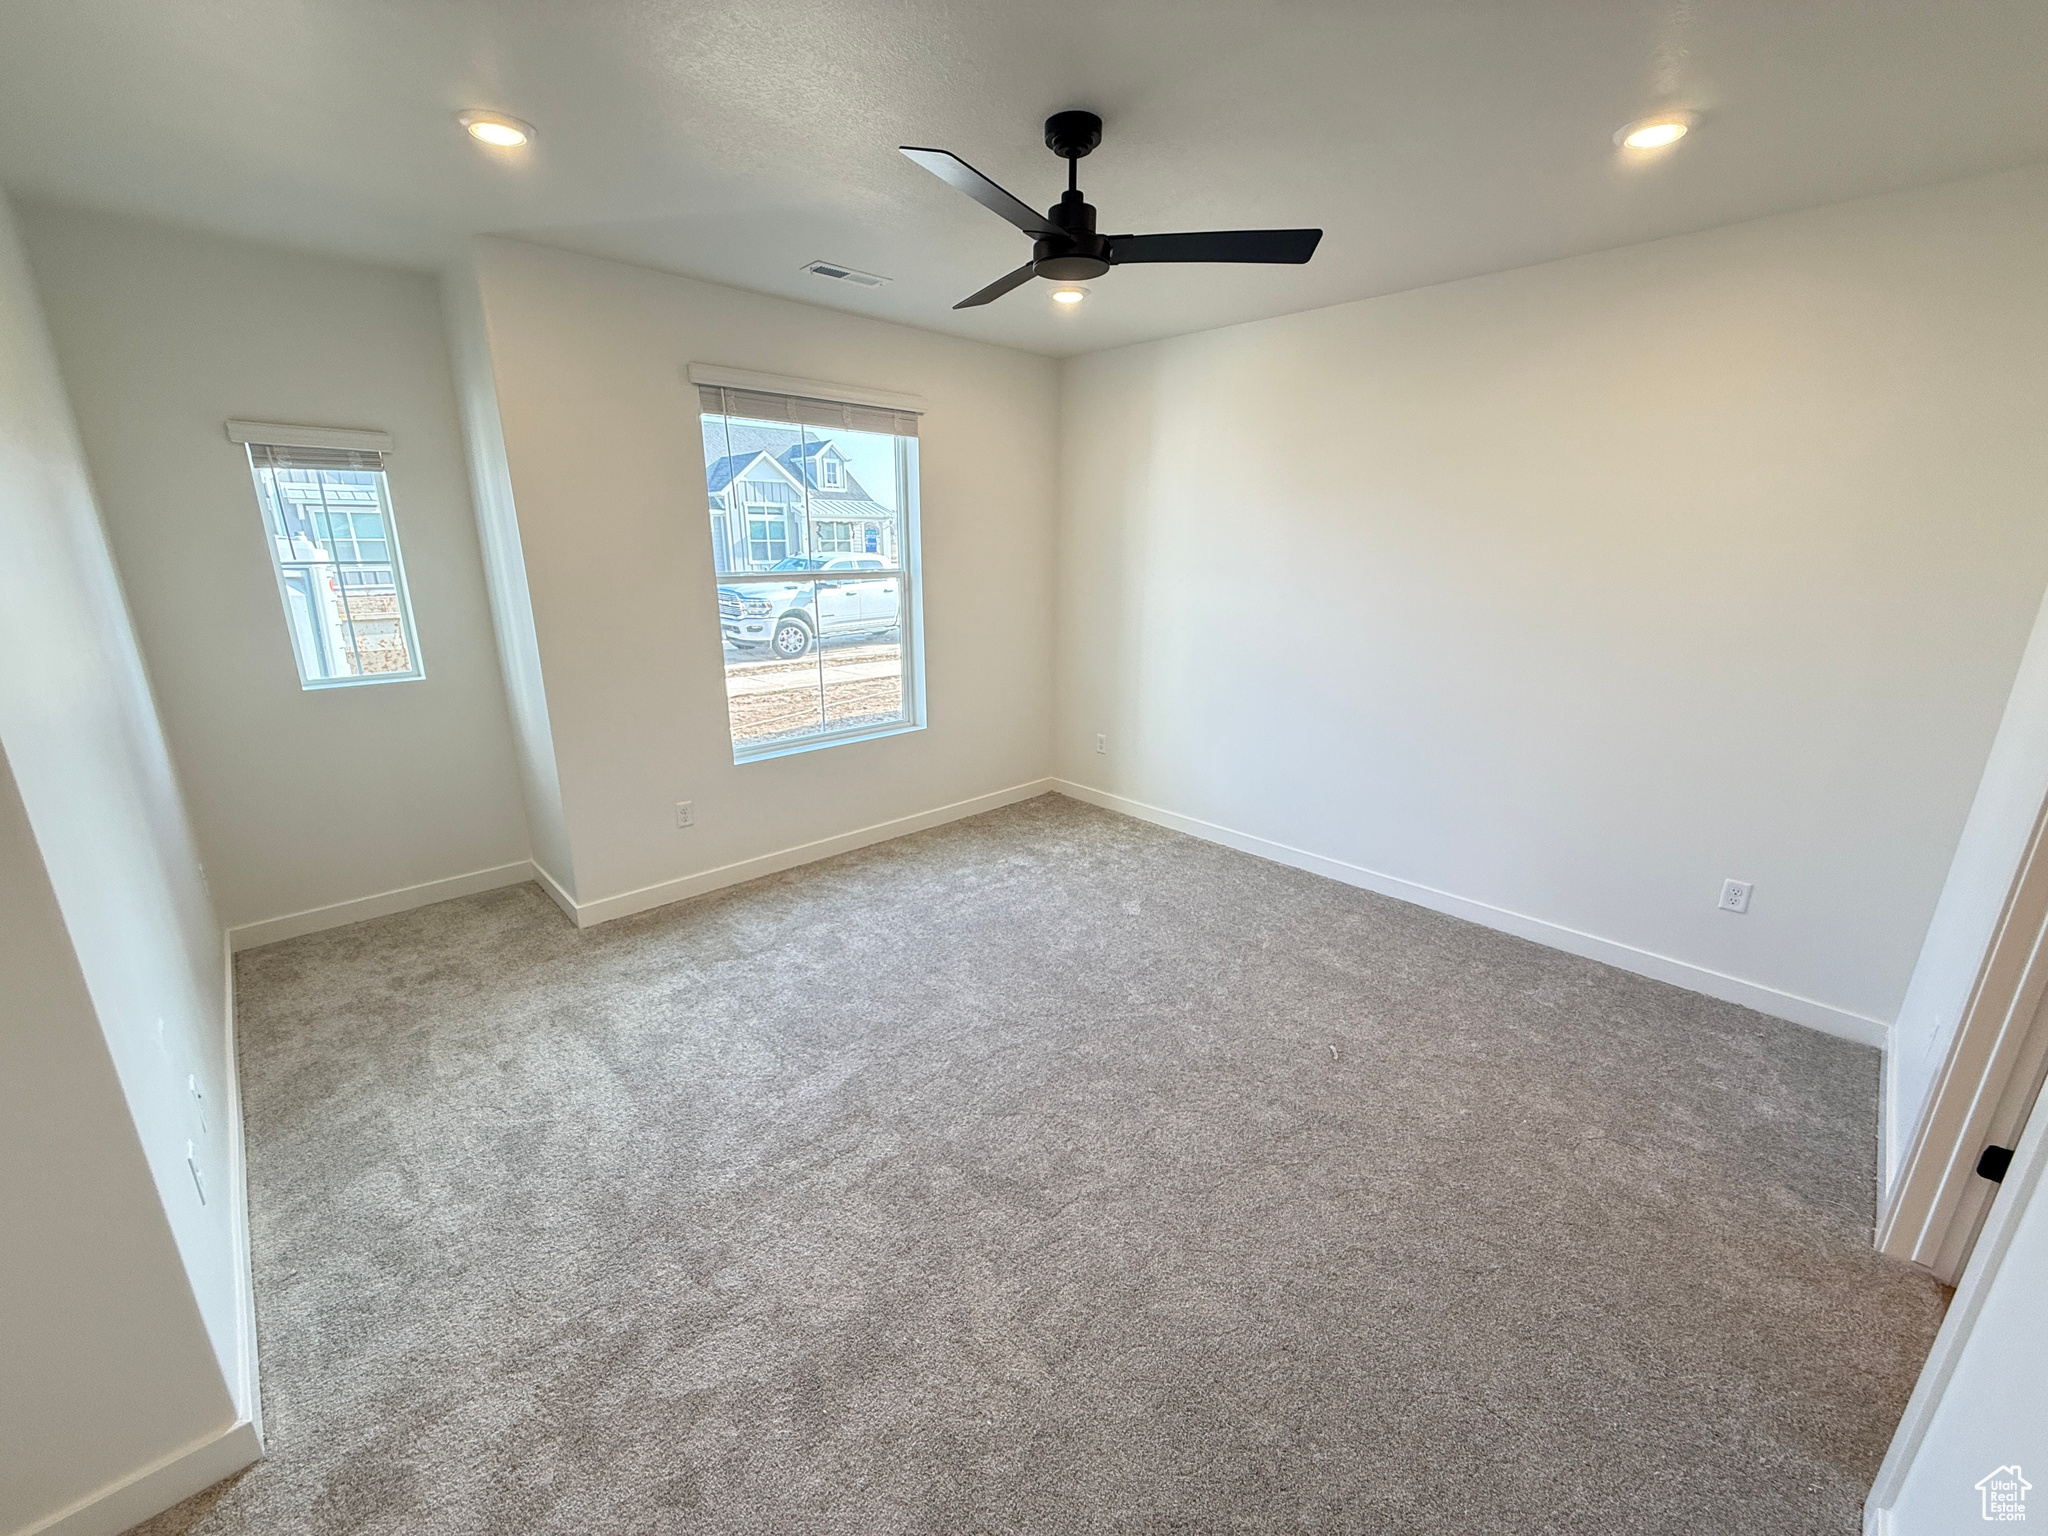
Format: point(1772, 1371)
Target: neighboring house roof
point(722, 472)
point(792, 449)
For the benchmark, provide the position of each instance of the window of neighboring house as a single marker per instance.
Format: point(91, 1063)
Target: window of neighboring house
point(767, 534)
point(333, 543)
point(818, 648)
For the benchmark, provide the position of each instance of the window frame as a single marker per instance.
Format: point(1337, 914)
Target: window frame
point(906, 572)
point(278, 438)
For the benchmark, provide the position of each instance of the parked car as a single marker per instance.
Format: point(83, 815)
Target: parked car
point(787, 620)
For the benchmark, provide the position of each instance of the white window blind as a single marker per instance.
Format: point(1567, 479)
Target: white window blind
point(802, 411)
point(284, 456)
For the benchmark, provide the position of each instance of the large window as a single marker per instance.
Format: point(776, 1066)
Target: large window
point(814, 533)
point(334, 545)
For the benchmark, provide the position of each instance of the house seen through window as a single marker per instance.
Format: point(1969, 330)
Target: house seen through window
point(334, 547)
point(814, 540)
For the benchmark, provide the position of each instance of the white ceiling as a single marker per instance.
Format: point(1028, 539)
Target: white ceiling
point(737, 139)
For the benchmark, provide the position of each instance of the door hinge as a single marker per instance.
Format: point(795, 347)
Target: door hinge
point(1993, 1163)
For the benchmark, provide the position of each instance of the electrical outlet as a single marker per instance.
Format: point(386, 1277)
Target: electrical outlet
point(1101, 743)
point(1735, 895)
point(198, 1100)
point(686, 813)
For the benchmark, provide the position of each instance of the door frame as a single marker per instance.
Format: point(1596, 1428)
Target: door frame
point(1987, 1084)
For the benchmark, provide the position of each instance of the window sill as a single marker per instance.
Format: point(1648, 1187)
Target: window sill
point(819, 743)
point(326, 685)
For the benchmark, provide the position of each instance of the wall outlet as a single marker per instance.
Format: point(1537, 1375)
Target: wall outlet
point(198, 1100)
point(686, 813)
point(1735, 895)
point(1101, 743)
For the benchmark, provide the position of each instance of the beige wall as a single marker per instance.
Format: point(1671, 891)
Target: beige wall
point(607, 471)
point(1559, 596)
point(301, 799)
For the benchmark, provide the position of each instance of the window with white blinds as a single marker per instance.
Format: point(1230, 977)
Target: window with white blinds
point(327, 520)
point(813, 525)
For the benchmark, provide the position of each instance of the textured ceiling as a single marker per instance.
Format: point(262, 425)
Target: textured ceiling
point(735, 142)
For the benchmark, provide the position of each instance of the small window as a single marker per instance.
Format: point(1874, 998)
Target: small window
point(767, 535)
point(334, 545)
point(818, 647)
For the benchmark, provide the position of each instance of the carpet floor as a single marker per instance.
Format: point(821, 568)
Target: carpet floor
point(1046, 1172)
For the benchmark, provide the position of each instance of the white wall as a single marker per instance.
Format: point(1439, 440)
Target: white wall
point(497, 523)
point(600, 430)
point(1567, 593)
point(1979, 1403)
point(123, 1296)
point(301, 799)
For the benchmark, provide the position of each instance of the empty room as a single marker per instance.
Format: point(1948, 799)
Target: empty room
point(919, 768)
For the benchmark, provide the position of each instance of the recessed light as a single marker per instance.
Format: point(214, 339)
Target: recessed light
point(1069, 295)
point(1659, 132)
point(496, 129)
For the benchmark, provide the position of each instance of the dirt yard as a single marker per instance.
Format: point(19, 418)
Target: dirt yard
point(844, 684)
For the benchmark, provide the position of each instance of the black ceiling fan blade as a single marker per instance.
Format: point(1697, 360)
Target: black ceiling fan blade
point(955, 172)
point(1289, 246)
point(998, 288)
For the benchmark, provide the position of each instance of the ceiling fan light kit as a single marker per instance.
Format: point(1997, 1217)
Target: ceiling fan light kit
point(1065, 246)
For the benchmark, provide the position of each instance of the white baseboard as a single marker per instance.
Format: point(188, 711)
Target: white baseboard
point(556, 891)
point(248, 1382)
point(625, 904)
point(270, 929)
point(1887, 1127)
point(1679, 973)
point(156, 1487)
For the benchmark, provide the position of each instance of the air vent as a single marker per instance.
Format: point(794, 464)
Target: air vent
point(837, 273)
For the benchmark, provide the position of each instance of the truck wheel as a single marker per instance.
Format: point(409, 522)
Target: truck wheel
point(792, 639)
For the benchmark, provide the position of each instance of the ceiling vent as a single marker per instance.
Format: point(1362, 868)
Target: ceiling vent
point(837, 273)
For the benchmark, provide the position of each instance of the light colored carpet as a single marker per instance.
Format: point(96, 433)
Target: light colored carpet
point(1047, 1172)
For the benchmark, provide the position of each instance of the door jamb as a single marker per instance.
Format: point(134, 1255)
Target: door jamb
point(1986, 1083)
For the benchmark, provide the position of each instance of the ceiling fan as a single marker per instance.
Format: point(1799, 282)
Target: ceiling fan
point(1066, 247)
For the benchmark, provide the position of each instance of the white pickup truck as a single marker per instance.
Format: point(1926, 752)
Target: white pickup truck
point(789, 619)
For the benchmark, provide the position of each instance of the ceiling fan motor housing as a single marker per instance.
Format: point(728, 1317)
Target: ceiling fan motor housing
point(1079, 253)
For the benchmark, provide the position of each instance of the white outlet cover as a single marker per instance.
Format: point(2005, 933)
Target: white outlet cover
point(1735, 895)
point(686, 813)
